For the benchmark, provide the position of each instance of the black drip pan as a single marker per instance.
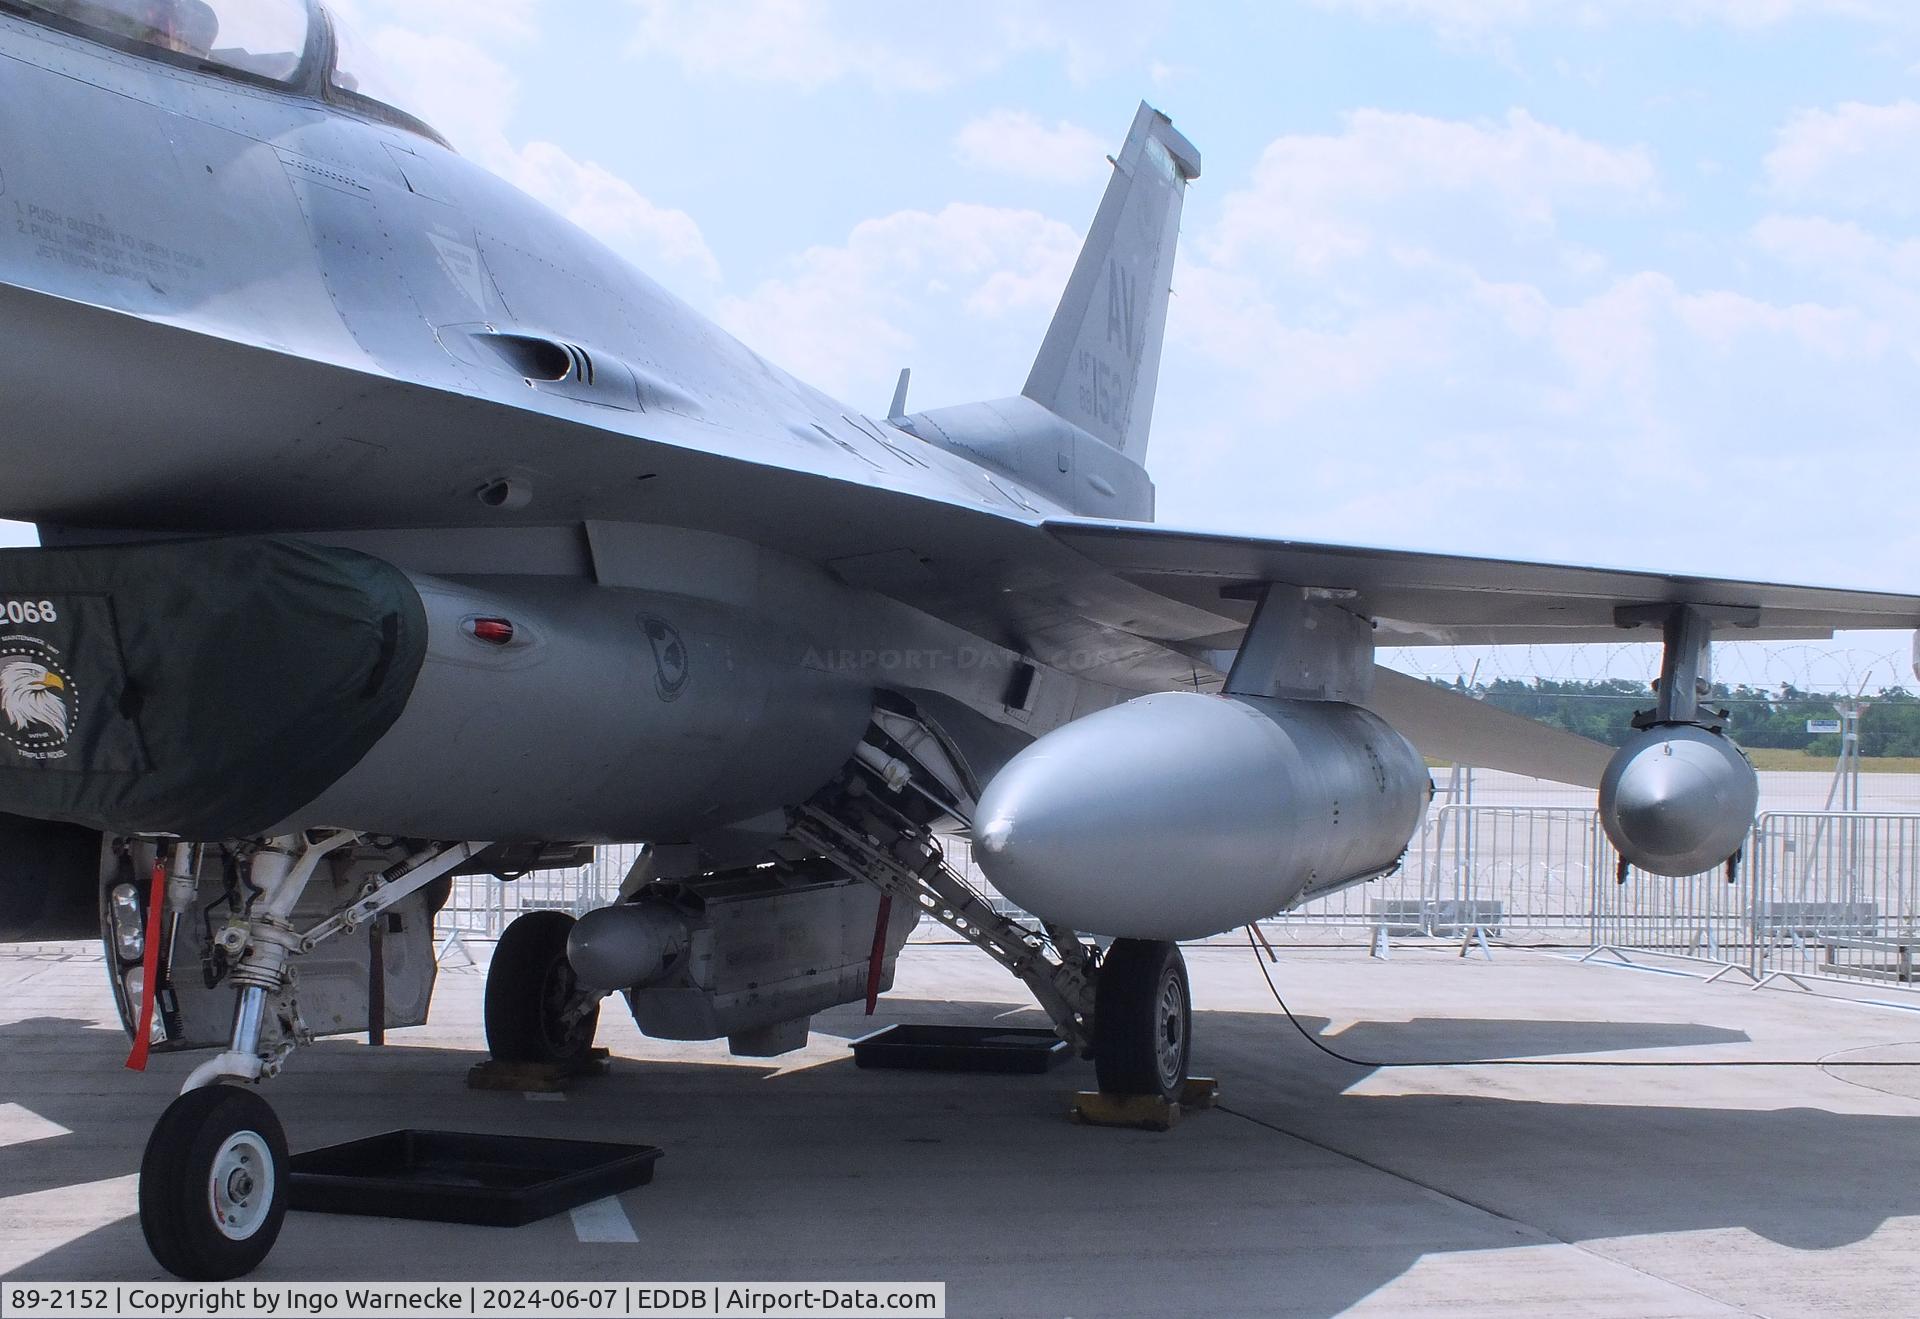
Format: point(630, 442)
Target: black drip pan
point(962, 1048)
point(464, 1177)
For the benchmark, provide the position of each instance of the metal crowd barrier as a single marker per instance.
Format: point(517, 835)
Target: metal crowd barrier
point(1839, 896)
point(1515, 874)
point(482, 906)
point(1831, 894)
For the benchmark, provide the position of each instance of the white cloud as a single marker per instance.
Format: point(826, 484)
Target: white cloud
point(1461, 13)
point(785, 41)
point(496, 18)
point(1721, 319)
point(1468, 15)
point(977, 281)
point(611, 209)
point(1854, 157)
point(469, 95)
point(1847, 265)
point(1387, 337)
point(452, 83)
point(1019, 143)
point(1839, 249)
point(1484, 416)
point(1322, 199)
point(1241, 323)
point(1631, 336)
point(810, 43)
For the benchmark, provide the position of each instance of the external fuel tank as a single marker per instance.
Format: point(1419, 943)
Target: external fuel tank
point(1179, 815)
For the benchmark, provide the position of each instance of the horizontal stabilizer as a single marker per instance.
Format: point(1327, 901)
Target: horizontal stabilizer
point(1445, 725)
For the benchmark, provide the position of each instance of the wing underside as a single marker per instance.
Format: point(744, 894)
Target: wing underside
point(1438, 599)
point(1141, 607)
point(1423, 599)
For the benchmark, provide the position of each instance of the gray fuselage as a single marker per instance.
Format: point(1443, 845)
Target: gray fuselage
point(238, 308)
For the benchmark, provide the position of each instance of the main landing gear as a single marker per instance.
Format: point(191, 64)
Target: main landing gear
point(1142, 1020)
point(1129, 1010)
point(535, 1012)
point(213, 1181)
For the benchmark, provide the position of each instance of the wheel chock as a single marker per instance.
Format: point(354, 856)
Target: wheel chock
point(539, 1078)
point(1095, 1108)
point(1199, 1092)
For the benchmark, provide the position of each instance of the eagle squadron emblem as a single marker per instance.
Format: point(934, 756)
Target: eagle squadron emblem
point(35, 701)
point(669, 658)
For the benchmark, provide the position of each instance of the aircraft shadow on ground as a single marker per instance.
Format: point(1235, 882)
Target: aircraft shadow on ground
point(1576, 1170)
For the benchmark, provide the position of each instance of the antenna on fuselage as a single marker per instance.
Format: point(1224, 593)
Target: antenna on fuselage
point(897, 410)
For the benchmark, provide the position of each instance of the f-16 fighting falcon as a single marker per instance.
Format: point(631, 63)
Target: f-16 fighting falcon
point(392, 529)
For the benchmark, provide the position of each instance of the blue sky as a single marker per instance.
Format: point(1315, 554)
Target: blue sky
point(1619, 281)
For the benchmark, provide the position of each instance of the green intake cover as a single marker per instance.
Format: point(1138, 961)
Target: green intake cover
point(204, 688)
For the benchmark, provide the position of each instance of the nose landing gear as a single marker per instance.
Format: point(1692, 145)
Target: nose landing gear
point(213, 1181)
point(213, 1184)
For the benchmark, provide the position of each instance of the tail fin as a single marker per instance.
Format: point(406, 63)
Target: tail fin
point(1100, 360)
point(1077, 433)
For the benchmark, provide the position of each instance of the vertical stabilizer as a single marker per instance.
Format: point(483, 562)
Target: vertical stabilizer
point(1077, 434)
point(1101, 358)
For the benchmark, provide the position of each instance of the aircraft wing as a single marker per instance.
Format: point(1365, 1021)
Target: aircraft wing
point(1418, 599)
point(1446, 599)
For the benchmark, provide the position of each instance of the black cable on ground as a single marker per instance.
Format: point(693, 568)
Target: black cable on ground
point(1332, 1052)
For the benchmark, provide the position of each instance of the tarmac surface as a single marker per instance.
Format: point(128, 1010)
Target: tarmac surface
point(1318, 1188)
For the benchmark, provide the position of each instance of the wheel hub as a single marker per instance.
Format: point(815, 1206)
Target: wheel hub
point(1172, 1034)
point(562, 1031)
point(240, 1185)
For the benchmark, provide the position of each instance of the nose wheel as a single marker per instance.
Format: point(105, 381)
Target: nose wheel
point(1142, 1020)
point(213, 1184)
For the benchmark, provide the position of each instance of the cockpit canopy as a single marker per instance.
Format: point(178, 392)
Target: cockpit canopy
point(293, 44)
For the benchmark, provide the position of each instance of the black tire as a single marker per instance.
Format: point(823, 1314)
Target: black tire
point(529, 985)
point(438, 893)
point(213, 1184)
point(1142, 1019)
point(49, 880)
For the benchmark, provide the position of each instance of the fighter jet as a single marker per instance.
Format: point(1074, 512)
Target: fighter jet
point(393, 529)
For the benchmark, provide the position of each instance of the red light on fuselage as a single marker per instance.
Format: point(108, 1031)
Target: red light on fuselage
point(493, 631)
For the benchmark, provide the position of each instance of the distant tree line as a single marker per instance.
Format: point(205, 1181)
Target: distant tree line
point(1604, 710)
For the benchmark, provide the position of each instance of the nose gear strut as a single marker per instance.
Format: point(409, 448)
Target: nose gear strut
point(213, 1179)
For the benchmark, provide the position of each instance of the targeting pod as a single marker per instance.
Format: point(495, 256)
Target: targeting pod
point(1678, 799)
